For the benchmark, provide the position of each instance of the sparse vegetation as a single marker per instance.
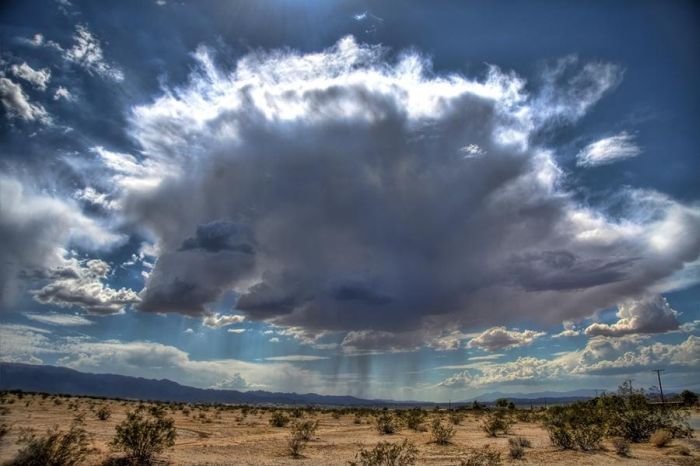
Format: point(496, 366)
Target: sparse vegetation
point(575, 426)
point(688, 398)
point(279, 419)
point(496, 422)
point(4, 429)
point(515, 449)
point(305, 429)
point(456, 418)
point(661, 438)
point(621, 446)
point(387, 423)
point(441, 432)
point(485, 456)
point(103, 413)
point(350, 433)
point(56, 448)
point(143, 435)
point(683, 450)
point(295, 445)
point(629, 414)
point(387, 454)
point(414, 419)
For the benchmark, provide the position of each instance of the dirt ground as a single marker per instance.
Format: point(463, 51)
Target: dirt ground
point(224, 437)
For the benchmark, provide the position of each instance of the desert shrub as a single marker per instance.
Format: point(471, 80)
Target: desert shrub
point(414, 418)
point(387, 454)
point(456, 418)
point(523, 442)
point(631, 416)
point(482, 457)
point(496, 422)
point(305, 429)
point(387, 423)
point(143, 435)
point(526, 416)
point(442, 433)
point(278, 419)
point(103, 413)
point(335, 415)
point(689, 398)
point(683, 450)
point(621, 446)
point(56, 448)
point(515, 449)
point(661, 438)
point(296, 444)
point(297, 413)
point(4, 429)
point(575, 426)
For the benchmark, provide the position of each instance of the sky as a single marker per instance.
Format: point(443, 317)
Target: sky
point(399, 200)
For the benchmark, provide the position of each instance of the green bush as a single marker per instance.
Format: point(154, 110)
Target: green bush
point(278, 419)
point(387, 454)
point(296, 444)
point(414, 418)
point(387, 423)
point(305, 429)
point(621, 446)
point(575, 426)
point(56, 448)
point(4, 429)
point(482, 457)
point(496, 422)
point(103, 413)
point(442, 433)
point(143, 435)
point(632, 417)
point(515, 449)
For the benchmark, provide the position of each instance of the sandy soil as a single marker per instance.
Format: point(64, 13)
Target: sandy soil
point(223, 437)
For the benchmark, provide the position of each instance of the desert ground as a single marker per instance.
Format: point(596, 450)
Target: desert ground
point(220, 435)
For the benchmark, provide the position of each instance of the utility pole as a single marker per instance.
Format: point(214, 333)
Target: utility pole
point(661, 389)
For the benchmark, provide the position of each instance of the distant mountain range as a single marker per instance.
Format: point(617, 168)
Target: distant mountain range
point(580, 394)
point(52, 379)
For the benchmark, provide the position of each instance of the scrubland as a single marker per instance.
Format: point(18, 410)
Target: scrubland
point(49, 429)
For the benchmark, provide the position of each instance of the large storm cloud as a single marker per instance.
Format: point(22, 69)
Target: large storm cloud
point(356, 189)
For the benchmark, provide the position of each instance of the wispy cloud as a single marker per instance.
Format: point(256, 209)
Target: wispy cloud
point(67, 320)
point(296, 358)
point(608, 150)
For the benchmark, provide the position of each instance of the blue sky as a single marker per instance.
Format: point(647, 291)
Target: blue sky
point(407, 200)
